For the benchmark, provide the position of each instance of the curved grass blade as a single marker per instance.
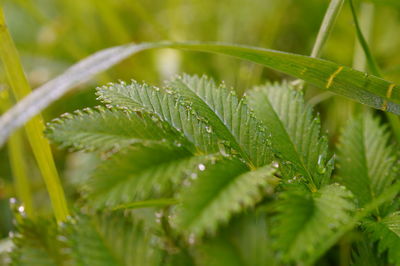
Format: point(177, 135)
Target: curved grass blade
point(342, 80)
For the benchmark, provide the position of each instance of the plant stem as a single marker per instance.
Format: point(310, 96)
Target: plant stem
point(19, 168)
point(20, 172)
point(393, 119)
point(366, 25)
point(34, 128)
point(326, 27)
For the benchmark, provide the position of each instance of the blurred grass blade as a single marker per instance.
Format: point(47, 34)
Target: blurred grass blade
point(17, 156)
point(342, 80)
point(327, 25)
point(34, 128)
point(372, 65)
point(374, 68)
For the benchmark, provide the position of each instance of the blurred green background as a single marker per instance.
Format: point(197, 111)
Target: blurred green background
point(51, 35)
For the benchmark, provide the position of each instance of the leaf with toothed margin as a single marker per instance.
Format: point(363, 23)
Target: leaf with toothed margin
point(141, 173)
point(220, 190)
point(104, 129)
point(367, 161)
point(386, 232)
point(295, 133)
point(306, 219)
point(115, 239)
point(163, 103)
point(229, 117)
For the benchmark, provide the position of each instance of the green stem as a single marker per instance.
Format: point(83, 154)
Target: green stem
point(19, 168)
point(326, 27)
point(324, 31)
point(393, 119)
point(366, 24)
point(34, 128)
point(20, 172)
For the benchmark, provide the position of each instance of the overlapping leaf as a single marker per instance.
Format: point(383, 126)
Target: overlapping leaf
point(295, 133)
point(163, 103)
point(305, 220)
point(246, 241)
point(228, 116)
point(220, 190)
point(37, 244)
point(199, 109)
point(140, 173)
point(111, 240)
point(387, 233)
point(367, 162)
point(103, 129)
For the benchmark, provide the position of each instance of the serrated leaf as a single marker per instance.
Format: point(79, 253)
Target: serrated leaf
point(306, 219)
point(220, 190)
point(104, 129)
point(228, 116)
point(140, 173)
point(295, 133)
point(163, 103)
point(246, 238)
point(37, 244)
point(364, 254)
point(366, 161)
point(218, 252)
point(387, 233)
point(111, 239)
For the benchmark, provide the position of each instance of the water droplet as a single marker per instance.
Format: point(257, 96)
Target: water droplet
point(321, 167)
point(21, 209)
point(177, 144)
point(193, 176)
point(275, 164)
point(66, 115)
point(201, 167)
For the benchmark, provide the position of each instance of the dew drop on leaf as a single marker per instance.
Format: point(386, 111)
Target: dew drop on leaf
point(201, 167)
point(321, 167)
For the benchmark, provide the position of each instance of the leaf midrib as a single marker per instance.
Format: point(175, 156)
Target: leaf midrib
point(222, 125)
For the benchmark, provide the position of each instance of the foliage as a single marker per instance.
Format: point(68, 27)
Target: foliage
point(263, 168)
point(190, 171)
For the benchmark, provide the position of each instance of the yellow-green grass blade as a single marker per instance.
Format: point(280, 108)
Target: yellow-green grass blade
point(342, 80)
point(34, 128)
point(17, 156)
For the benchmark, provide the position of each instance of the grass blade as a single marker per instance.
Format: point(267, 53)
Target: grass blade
point(34, 128)
point(342, 80)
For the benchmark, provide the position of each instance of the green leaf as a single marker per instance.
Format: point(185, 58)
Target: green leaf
point(163, 202)
point(104, 129)
point(387, 233)
point(228, 116)
point(163, 103)
point(141, 173)
point(366, 161)
point(248, 240)
point(365, 255)
point(356, 85)
point(111, 239)
point(305, 220)
point(220, 190)
point(294, 132)
point(218, 252)
point(36, 243)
